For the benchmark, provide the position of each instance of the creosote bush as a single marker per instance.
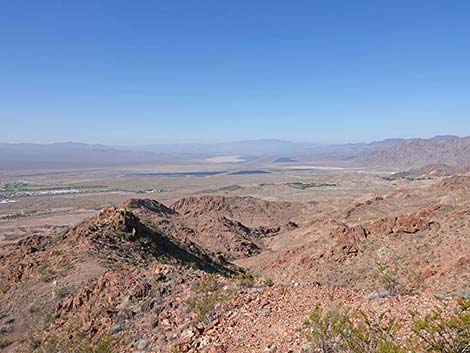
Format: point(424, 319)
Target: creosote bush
point(388, 279)
point(208, 295)
point(247, 280)
point(269, 282)
point(444, 333)
point(73, 340)
point(332, 331)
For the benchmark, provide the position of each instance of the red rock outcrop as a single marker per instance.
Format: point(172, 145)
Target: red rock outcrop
point(409, 223)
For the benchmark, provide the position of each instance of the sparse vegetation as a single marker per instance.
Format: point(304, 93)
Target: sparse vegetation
point(73, 340)
point(194, 265)
point(346, 331)
point(388, 279)
point(269, 282)
point(443, 332)
point(208, 295)
point(247, 280)
point(4, 343)
point(303, 186)
point(61, 292)
point(46, 274)
point(4, 287)
point(351, 332)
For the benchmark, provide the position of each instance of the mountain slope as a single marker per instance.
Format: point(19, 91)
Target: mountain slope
point(432, 171)
point(420, 152)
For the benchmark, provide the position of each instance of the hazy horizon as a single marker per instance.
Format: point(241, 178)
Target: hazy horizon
point(231, 141)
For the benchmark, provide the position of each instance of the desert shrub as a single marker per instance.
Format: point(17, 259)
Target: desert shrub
point(247, 280)
point(74, 340)
point(71, 338)
point(4, 287)
point(440, 331)
point(320, 329)
point(269, 282)
point(388, 279)
point(443, 332)
point(208, 295)
point(41, 318)
point(194, 265)
point(334, 331)
point(46, 273)
point(61, 292)
point(4, 342)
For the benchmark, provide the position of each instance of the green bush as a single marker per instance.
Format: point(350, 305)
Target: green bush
point(208, 294)
point(247, 280)
point(443, 332)
point(350, 332)
point(72, 339)
point(78, 343)
point(388, 279)
point(335, 331)
point(269, 282)
point(61, 292)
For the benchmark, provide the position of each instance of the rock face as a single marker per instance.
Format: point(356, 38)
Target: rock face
point(150, 305)
point(346, 241)
point(423, 243)
point(114, 272)
point(231, 238)
point(409, 223)
point(363, 205)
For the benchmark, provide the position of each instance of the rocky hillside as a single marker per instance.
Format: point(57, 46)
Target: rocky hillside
point(232, 274)
point(416, 153)
point(232, 227)
point(432, 171)
point(111, 269)
point(108, 260)
point(251, 211)
point(346, 250)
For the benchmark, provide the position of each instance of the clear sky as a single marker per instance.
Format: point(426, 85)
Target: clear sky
point(150, 71)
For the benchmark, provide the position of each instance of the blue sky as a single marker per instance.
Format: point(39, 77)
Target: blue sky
point(139, 72)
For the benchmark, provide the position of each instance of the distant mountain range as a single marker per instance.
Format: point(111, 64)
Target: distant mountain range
point(71, 155)
point(401, 154)
point(271, 147)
